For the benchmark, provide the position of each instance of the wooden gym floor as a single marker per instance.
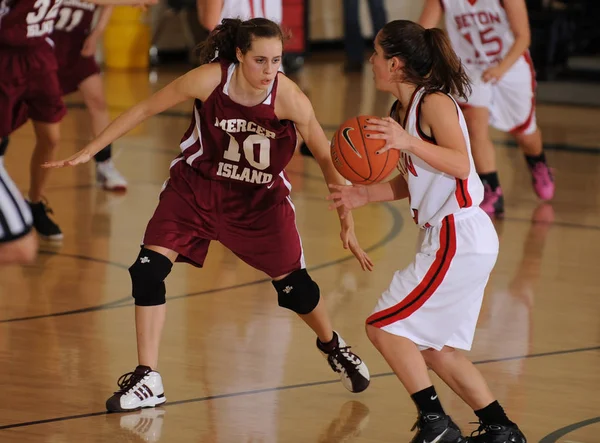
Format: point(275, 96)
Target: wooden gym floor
point(239, 369)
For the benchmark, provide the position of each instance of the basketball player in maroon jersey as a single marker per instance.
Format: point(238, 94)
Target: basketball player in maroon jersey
point(75, 46)
point(29, 89)
point(229, 185)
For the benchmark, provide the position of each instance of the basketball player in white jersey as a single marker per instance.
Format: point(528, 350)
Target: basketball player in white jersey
point(431, 307)
point(492, 39)
point(211, 12)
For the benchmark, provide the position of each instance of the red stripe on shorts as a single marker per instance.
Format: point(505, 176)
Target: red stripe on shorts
point(425, 289)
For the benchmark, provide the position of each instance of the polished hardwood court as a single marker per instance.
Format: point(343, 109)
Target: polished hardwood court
point(236, 367)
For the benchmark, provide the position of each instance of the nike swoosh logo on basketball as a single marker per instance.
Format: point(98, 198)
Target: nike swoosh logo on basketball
point(345, 133)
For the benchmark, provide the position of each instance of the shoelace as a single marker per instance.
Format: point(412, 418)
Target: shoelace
point(338, 356)
point(128, 381)
point(480, 429)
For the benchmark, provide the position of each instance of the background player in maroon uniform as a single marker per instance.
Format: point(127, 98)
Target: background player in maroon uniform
point(29, 89)
point(229, 185)
point(75, 47)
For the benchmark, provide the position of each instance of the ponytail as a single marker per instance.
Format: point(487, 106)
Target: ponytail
point(447, 73)
point(221, 42)
point(234, 33)
point(429, 60)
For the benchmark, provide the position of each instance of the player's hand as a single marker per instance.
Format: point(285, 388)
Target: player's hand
point(347, 197)
point(82, 156)
point(389, 130)
point(350, 241)
point(89, 46)
point(493, 74)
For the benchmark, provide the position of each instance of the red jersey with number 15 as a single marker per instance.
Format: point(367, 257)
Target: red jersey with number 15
point(479, 31)
point(246, 145)
point(26, 23)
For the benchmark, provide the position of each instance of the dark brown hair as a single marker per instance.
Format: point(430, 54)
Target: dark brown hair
point(234, 33)
point(429, 60)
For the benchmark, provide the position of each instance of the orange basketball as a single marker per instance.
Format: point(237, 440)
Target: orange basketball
point(354, 155)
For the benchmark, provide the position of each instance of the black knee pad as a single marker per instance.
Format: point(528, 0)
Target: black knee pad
point(298, 292)
point(148, 275)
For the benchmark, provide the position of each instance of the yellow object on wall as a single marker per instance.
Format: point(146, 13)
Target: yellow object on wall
point(127, 39)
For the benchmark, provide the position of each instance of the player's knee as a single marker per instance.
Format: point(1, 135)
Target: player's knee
point(96, 103)
point(148, 275)
point(48, 139)
point(437, 359)
point(298, 292)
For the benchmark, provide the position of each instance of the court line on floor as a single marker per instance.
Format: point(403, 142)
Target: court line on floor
point(294, 386)
point(554, 436)
point(397, 224)
point(595, 150)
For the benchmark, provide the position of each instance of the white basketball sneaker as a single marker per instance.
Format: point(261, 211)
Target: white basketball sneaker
point(109, 177)
point(353, 372)
point(139, 389)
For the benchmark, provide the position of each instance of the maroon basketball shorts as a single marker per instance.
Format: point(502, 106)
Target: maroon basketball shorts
point(29, 87)
point(73, 68)
point(193, 211)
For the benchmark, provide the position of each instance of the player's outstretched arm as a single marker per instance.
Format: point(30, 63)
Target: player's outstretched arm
point(431, 14)
point(294, 105)
point(351, 197)
point(198, 83)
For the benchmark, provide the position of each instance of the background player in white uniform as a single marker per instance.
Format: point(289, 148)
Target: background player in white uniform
point(211, 12)
point(492, 38)
point(431, 306)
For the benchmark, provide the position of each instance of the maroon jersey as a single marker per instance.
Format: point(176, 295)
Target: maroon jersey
point(249, 146)
point(26, 23)
point(74, 22)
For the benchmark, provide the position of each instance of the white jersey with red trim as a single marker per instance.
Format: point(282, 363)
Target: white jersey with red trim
point(247, 9)
point(479, 31)
point(433, 194)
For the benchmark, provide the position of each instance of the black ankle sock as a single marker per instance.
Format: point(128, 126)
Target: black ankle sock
point(427, 401)
point(493, 414)
point(104, 155)
point(330, 345)
point(491, 178)
point(533, 160)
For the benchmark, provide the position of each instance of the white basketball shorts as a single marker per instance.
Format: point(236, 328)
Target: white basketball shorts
point(510, 101)
point(435, 301)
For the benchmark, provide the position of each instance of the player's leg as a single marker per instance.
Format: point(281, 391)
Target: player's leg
point(46, 109)
point(514, 112)
point(47, 136)
point(542, 178)
point(18, 244)
point(457, 371)
point(271, 243)
point(176, 230)
point(484, 157)
point(143, 387)
point(92, 91)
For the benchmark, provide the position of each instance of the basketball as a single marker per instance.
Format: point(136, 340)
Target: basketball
point(354, 155)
